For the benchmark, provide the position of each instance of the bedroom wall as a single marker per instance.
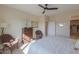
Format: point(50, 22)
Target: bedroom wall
point(62, 31)
point(16, 20)
point(65, 20)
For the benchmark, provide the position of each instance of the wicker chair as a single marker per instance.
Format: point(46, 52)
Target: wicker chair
point(8, 41)
point(39, 34)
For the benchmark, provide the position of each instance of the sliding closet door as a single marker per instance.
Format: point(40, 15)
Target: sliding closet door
point(51, 28)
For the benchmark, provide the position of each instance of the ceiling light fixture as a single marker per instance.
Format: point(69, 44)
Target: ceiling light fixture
point(61, 25)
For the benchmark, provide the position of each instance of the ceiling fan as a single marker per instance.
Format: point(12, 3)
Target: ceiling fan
point(46, 8)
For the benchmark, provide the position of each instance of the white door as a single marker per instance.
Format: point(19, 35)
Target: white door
point(51, 28)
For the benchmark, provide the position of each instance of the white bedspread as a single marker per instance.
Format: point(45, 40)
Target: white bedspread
point(50, 45)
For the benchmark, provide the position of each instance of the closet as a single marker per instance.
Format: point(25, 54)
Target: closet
point(74, 28)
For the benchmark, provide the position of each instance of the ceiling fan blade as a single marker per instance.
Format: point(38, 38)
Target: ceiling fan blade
point(52, 8)
point(43, 12)
point(41, 6)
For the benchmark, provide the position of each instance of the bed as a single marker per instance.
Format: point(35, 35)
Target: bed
point(50, 45)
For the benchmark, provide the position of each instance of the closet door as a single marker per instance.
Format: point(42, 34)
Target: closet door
point(51, 28)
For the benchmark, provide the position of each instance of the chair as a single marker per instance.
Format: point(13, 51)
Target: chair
point(8, 41)
point(39, 34)
point(27, 34)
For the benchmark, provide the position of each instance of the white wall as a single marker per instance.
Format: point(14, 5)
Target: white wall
point(15, 19)
point(41, 25)
point(65, 30)
point(65, 20)
point(51, 28)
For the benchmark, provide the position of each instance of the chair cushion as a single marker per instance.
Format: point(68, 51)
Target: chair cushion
point(6, 38)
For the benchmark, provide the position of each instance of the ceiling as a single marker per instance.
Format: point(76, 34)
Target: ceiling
point(36, 10)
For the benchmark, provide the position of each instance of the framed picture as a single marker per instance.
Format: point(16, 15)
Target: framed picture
point(35, 24)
